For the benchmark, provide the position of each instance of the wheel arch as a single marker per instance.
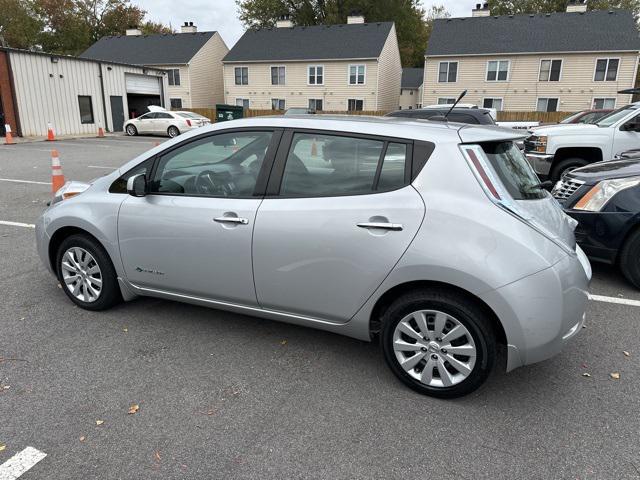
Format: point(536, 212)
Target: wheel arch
point(590, 154)
point(59, 236)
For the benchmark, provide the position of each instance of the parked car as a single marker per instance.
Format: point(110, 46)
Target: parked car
point(386, 229)
point(165, 123)
point(555, 150)
point(472, 116)
point(605, 199)
point(299, 111)
point(586, 116)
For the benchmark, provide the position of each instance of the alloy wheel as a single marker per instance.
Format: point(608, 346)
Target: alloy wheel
point(131, 130)
point(81, 274)
point(434, 348)
point(173, 132)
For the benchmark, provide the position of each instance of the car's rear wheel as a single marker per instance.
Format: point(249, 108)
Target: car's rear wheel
point(131, 130)
point(86, 273)
point(173, 131)
point(438, 342)
point(630, 258)
point(565, 166)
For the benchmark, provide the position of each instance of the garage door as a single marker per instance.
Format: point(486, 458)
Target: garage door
point(143, 84)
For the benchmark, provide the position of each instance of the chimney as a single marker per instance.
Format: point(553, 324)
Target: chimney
point(481, 10)
point(284, 22)
point(134, 32)
point(577, 6)
point(355, 16)
point(188, 27)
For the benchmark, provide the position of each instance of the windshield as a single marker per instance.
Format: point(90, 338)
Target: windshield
point(571, 118)
point(615, 116)
point(514, 171)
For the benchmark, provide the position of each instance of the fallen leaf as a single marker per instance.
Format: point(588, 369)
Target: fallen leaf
point(6, 387)
point(615, 375)
point(99, 422)
point(125, 330)
point(586, 374)
point(134, 409)
point(626, 354)
point(82, 439)
point(59, 286)
point(283, 342)
point(22, 318)
point(156, 454)
point(2, 446)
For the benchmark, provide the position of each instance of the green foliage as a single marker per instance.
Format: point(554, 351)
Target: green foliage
point(408, 16)
point(18, 26)
point(504, 7)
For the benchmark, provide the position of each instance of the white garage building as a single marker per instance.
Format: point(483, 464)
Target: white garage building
point(76, 95)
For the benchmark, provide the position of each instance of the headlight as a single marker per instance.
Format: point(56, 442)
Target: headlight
point(540, 144)
point(69, 190)
point(596, 198)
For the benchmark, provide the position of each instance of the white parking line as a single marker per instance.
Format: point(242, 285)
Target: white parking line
point(106, 168)
point(619, 301)
point(13, 180)
point(20, 463)
point(17, 224)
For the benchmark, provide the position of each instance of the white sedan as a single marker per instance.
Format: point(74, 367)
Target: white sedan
point(163, 122)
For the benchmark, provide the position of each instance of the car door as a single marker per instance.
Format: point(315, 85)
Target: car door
point(338, 215)
point(144, 123)
point(191, 234)
point(162, 122)
point(626, 137)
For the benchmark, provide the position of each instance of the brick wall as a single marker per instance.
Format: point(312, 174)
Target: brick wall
point(6, 94)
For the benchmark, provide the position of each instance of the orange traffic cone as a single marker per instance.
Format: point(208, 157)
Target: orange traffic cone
point(8, 138)
point(57, 177)
point(100, 132)
point(51, 136)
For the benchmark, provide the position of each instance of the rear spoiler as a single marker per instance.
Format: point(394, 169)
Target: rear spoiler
point(479, 134)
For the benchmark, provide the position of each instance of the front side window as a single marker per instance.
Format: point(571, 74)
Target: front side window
point(607, 70)
point(241, 75)
point(498, 71)
point(86, 109)
point(550, 70)
point(223, 165)
point(120, 185)
point(548, 104)
point(173, 76)
point(176, 103)
point(315, 75)
point(331, 165)
point(357, 74)
point(278, 75)
point(163, 116)
point(448, 72)
point(242, 102)
point(446, 101)
point(495, 103)
point(604, 103)
point(277, 104)
point(315, 104)
point(355, 104)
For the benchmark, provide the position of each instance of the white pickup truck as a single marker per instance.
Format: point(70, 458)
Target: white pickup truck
point(556, 149)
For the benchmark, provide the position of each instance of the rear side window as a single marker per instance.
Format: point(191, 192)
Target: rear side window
point(514, 171)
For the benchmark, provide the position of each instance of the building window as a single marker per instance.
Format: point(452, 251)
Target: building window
point(242, 102)
point(448, 72)
point(278, 75)
point(446, 101)
point(277, 104)
point(550, 70)
point(607, 69)
point(498, 71)
point(86, 109)
point(174, 76)
point(604, 103)
point(242, 75)
point(355, 105)
point(357, 74)
point(315, 75)
point(495, 103)
point(176, 102)
point(315, 104)
point(548, 104)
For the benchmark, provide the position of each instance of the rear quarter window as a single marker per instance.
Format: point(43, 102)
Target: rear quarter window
point(514, 171)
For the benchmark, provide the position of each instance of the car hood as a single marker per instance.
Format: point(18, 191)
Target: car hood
point(565, 129)
point(597, 172)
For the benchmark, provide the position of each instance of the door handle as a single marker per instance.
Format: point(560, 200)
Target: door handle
point(236, 220)
point(395, 227)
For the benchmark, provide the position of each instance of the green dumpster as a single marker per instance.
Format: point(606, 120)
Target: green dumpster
point(224, 113)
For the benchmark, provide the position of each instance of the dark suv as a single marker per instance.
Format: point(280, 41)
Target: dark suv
point(473, 116)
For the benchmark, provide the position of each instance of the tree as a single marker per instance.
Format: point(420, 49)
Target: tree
point(408, 16)
point(18, 26)
point(504, 7)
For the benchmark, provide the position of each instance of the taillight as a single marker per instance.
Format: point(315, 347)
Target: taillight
point(189, 122)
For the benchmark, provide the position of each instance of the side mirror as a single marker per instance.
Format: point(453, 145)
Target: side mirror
point(137, 185)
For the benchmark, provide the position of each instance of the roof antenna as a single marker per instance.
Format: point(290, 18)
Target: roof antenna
point(462, 95)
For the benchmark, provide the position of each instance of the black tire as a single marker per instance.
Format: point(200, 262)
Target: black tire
point(110, 294)
point(131, 130)
point(467, 313)
point(173, 131)
point(630, 259)
point(566, 165)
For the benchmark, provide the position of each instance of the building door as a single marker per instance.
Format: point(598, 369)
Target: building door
point(117, 113)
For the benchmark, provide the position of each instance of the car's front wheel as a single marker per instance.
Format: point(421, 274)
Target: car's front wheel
point(173, 132)
point(86, 273)
point(438, 342)
point(132, 131)
point(630, 259)
point(565, 166)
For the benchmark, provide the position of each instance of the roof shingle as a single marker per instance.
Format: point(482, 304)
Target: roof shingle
point(593, 31)
point(412, 77)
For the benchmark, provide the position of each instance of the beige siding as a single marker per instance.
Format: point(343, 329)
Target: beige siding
point(409, 98)
point(335, 92)
point(389, 73)
point(183, 90)
point(575, 90)
point(207, 85)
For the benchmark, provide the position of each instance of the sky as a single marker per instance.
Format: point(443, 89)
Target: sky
point(222, 15)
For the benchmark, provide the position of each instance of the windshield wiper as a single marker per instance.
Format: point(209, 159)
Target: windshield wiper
point(542, 186)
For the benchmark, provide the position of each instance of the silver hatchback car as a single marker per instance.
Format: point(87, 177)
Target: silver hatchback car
point(434, 239)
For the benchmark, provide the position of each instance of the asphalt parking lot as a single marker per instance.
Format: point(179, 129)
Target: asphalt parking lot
point(228, 396)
